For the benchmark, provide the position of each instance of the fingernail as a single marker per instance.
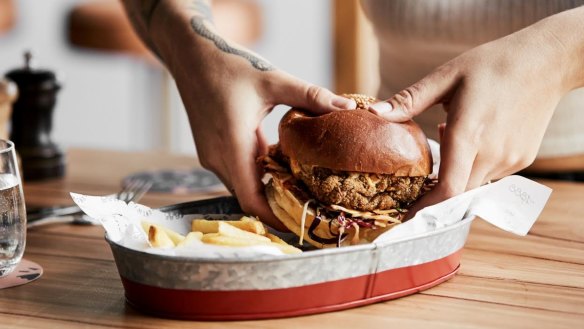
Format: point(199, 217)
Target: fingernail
point(344, 103)
point(441, 128)
point(380, 108)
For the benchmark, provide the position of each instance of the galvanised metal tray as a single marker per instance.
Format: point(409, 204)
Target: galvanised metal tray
point(279, 286)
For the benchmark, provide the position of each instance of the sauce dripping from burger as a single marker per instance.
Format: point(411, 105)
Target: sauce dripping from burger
point(339, 219)
point(338, 238)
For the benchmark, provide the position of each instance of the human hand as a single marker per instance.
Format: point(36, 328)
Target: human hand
point(499, 99)
point(226, 102)
point(227, 90)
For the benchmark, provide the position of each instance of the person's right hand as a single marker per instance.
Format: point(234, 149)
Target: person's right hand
point(225, 117)
point(227, 91)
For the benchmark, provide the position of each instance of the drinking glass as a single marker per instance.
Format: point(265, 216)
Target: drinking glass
point(12, 211)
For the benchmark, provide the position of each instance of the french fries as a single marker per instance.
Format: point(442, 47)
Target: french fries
point(245, 232)
point(282, 245)
point(276, 239)
point(286, 248)
point(249, 224)
point(205, 226)
point(174, 236)
point(229, 230)
point(193, 238)
point(159, 238)
point(233, 241)
point(245, 223)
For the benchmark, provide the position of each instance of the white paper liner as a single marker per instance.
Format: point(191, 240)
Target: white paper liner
point(122, 223)
point(512, 204)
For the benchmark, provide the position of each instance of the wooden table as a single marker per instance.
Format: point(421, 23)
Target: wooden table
point(505, 281)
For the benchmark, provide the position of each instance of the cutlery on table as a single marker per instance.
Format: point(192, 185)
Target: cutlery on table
point(133, 191)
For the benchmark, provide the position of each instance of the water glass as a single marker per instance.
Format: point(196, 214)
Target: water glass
point(12, 210)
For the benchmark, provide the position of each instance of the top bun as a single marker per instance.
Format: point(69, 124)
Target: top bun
point(355, 140)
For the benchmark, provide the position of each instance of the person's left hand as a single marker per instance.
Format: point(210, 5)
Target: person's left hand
point(499, 99)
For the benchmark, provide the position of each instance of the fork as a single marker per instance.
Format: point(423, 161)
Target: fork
point(133, 191)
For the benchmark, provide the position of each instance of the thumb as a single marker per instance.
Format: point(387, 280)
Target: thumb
point(297, 93)
point(441, 129)
point(262, 142)
point(415, 99)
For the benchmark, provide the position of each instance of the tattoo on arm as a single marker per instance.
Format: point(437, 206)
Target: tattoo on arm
point(141, 12)
point(203, 14)
point(202, 8)
point(198, 24)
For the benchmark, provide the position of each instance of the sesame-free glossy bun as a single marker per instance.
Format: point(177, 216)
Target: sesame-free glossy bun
point(356, 141)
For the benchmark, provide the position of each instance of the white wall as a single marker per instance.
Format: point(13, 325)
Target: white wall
point(115, 101)
point(103, 102)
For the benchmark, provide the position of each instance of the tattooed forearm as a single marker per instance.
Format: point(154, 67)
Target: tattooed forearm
point(147, 10)
point(140, 14)
point(202, 14)
point(202, 8)
point(198, 24)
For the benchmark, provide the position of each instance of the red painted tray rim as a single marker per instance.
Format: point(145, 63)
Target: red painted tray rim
point(293, 313)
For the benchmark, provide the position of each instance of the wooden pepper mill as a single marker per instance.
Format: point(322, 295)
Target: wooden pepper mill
point(8, 94)
point(32, 120)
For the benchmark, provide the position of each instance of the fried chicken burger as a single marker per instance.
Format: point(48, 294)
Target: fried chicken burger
point(345, 177)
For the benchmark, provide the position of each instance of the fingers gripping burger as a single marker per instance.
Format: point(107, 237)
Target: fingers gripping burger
point(345, 177)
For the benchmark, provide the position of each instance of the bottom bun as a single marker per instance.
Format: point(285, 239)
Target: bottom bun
point(289, 211)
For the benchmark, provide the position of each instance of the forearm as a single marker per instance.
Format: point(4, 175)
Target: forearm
point(178, 28)
point(563, 33)
point(140, 13)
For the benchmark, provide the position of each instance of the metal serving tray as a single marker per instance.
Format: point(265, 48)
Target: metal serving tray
point(279, 286)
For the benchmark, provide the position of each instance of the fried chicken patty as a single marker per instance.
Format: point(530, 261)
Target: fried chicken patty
point(359, 191)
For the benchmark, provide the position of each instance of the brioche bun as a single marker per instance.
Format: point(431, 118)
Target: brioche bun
point(351, 143)
point(355, 140)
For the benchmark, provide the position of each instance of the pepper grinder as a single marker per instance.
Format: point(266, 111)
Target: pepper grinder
point(8, 94)
point(32, 120)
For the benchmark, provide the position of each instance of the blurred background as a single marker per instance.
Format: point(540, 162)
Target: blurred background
point(115, 95)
